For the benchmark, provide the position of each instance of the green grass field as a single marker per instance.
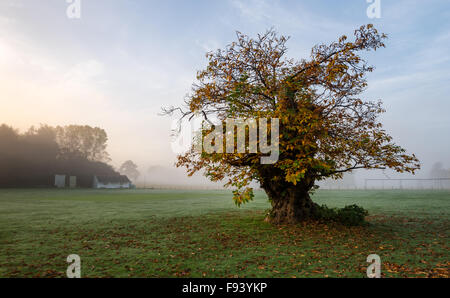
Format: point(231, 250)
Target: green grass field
point(155, 233)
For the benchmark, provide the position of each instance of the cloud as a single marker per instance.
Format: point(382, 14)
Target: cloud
point(273, 13)
point(84, 72)
point(210, 45)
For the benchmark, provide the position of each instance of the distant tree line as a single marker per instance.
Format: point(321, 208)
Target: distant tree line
point(32, 158)
point(129, 168)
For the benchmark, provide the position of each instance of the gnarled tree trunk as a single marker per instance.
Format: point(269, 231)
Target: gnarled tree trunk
point(290, 203)
point(292, 207)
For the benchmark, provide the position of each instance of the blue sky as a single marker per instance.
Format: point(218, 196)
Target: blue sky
point(122, 60)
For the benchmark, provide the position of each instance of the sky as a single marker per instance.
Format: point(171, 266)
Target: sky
point(121, 61)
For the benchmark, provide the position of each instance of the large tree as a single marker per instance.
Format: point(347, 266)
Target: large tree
point(325, 128)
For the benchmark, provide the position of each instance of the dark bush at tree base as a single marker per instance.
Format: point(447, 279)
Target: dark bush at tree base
point(351, 215)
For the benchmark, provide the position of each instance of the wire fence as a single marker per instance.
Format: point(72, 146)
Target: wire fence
point(408, 183)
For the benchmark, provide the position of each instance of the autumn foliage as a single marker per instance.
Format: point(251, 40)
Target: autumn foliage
point(326, 129)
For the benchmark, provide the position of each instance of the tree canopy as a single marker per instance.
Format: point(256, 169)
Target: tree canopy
point(84, 141)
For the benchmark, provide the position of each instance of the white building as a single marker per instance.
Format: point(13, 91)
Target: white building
point(60, 181)
point(119, 181)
